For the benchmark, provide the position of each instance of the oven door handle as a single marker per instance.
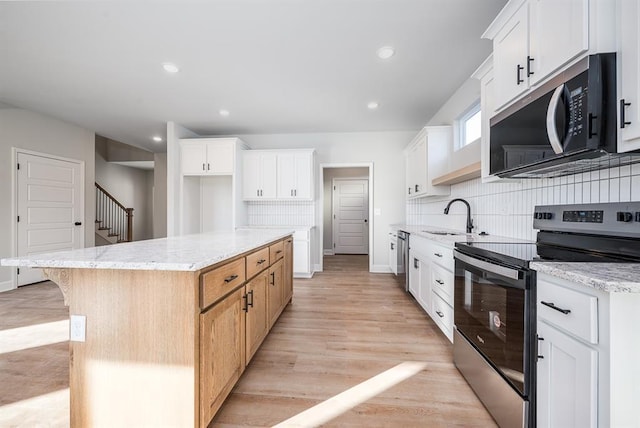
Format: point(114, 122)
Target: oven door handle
point(486, 266)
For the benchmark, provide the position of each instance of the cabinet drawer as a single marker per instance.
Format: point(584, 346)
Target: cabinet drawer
point(220, 281)
point(257, 261)
point(441, 255)
point(276, 251)
point(442, 315)
point(442, 283)
point(570, 310)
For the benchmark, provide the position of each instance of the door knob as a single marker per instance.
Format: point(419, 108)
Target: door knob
point(78, 223)
point(366, 221)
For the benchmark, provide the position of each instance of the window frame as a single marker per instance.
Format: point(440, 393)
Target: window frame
point(470, 112)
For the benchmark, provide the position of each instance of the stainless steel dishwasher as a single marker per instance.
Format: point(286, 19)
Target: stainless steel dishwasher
point(403, 258)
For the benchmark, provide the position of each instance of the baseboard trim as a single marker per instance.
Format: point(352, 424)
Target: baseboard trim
point(329, 253)
point(6, 286)
point(380, 269)
point(317, 268)
point(303, 275)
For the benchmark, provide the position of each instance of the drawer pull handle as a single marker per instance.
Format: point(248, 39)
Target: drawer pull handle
point(415, 263)
point(230, 278)
point(437, 254)
point(278, 252)
point(246, 303)
point(273, 278)
point(553, 306)
point(440, 314)
point(250, 303)
point(261, 261)
point(439, 281)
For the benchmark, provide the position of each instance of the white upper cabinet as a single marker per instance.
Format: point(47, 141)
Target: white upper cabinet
point(207, 156)
point(278, 174)
point(427, 158)
point(259, 174)
point(559, 32)
point(628, 72)
point(295, 175)
point(510, 51)
point(535, 39)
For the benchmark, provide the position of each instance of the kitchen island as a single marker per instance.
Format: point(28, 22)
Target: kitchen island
point(162, 329)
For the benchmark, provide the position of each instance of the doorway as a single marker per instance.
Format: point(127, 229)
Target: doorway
point(353, 197)
point(350, 216)
point(49, 208)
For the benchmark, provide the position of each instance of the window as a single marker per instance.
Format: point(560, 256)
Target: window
point(470, 126)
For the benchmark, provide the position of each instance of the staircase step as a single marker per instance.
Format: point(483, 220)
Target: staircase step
point(104, 228)
point(113, 234)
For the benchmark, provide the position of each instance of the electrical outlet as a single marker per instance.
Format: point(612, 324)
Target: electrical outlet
point(78, 327)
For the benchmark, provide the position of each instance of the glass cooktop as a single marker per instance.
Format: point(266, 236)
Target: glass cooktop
point(522, 253)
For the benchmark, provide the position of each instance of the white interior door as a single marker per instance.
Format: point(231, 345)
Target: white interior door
point(50, 207)
point(351, 216)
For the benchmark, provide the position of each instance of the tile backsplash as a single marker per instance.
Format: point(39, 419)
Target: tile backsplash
point(292, 213)
point(506, 208)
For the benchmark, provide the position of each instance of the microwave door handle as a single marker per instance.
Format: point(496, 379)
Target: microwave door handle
point(552, 130)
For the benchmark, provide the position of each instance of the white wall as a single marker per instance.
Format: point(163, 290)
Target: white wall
point(32, 131)
point(329, 175)
point(130, 186)
point(383, 149)
point(159, 195)
point(174, 179)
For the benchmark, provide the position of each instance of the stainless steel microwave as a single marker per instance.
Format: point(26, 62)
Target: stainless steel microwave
point(566, 126)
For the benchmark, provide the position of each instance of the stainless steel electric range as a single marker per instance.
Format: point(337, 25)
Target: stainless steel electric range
point(495, 298)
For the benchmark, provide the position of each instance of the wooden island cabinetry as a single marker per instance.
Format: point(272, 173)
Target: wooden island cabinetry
point(170, 324)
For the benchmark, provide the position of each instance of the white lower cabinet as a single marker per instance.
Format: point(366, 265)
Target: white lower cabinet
point(587, 371)
point(567, 380)
point(302, 254)
point(431, 280)
point(393, 252)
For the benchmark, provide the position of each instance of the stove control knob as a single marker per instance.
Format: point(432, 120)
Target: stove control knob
point(624, 216)
point(537, 215)
point(547, 216)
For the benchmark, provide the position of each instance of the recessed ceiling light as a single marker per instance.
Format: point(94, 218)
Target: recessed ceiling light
point(170, 68)
point(373, 105)
point(224, 113)
point(157, 139)
point(385, 52)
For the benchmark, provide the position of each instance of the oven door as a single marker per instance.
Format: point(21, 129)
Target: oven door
point(492, 310)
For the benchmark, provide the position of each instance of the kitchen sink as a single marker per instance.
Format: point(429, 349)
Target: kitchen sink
point(442, 232)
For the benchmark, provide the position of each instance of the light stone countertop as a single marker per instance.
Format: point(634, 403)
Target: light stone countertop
point(608, 277)
point(178, 253)
point(457, 236)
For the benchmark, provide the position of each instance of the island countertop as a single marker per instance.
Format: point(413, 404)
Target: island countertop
point(177, 253)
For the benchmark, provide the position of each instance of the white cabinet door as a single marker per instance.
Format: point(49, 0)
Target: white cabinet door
point(566, 381)
point(559, 32)
point(510, 50)
point(259, 175)
point(220, 157)
point(629, 65)
point(424, 288)
point(427, 158)
point(393, 253)
point(295, 175)
point(193, 158)
point(301, 257)
point(414, 273)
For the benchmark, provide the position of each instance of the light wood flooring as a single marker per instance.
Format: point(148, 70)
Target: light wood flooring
point(352, 347)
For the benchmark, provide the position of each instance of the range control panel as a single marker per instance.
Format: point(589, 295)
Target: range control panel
point(615, 218)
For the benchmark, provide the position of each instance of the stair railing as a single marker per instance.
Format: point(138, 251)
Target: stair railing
point(113, 216)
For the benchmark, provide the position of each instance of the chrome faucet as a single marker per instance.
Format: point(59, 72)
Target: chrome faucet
point(469, 221)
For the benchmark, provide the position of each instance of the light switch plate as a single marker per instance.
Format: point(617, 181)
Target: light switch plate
point(78, 327)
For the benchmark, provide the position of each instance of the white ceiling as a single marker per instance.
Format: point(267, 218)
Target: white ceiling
point(279, 66)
